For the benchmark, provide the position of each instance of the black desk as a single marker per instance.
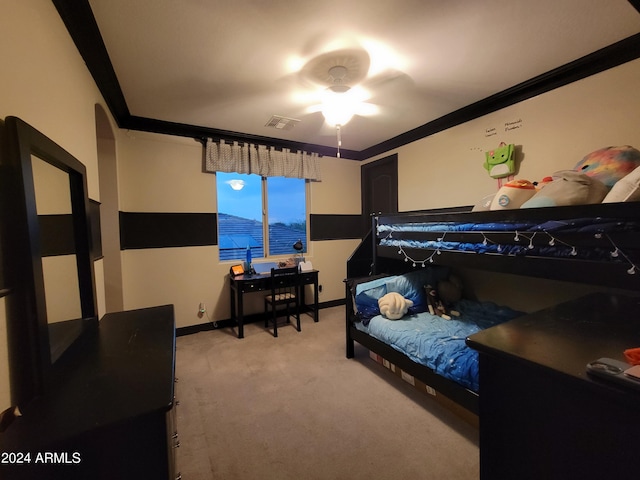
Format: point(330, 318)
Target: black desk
point(541, 415)
point(242, 284)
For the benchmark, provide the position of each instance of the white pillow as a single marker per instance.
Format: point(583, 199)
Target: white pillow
point(394, 306)
point(627, 189)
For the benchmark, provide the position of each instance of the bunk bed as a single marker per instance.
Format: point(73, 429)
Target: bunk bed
point(591, 244)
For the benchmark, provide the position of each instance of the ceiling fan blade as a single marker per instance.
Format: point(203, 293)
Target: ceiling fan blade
point(387, 77)
point(365, 109)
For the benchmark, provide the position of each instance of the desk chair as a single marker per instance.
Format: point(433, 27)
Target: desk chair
point(284, 291)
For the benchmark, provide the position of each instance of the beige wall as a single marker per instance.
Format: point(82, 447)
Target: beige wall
point(556, 130)
point(337, 193)
point(111, 265)
point(159, 173)
point(45, 82)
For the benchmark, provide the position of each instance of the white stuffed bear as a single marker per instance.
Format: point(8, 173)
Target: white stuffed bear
point(393, 305)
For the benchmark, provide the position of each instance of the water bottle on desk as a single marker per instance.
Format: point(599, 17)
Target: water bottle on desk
point(247, 265)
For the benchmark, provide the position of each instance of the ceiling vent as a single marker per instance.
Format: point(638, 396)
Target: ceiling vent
point(282, 123)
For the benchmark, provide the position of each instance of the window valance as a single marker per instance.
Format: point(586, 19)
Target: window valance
point(261, 160)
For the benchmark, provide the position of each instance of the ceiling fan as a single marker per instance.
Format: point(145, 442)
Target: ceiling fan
point(336, 79)
point(339, 83)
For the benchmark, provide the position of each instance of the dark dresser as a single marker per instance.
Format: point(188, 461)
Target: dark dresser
point(541, 415)
point(111, 413)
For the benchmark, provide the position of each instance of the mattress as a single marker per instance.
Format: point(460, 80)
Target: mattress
point(438, 343)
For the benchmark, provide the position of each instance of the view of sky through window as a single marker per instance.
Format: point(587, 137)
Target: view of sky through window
point(240, 214)
point(245, 202)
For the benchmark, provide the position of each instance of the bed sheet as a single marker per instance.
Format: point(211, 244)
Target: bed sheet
point(548, 244)
point(439, 343)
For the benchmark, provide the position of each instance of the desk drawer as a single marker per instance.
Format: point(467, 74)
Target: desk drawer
point(306, 278)
point(252, 286)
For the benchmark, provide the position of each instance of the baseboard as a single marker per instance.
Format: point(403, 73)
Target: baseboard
point(228, 323)
point(331, 303)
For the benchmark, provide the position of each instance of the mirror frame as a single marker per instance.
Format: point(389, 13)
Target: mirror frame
point(23, 142)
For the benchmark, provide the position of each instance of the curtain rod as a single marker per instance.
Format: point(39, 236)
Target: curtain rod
point(204, 140)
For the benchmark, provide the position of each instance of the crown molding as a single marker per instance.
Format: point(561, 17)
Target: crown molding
point(81, 25)
point(616, 54)
point(635, 4)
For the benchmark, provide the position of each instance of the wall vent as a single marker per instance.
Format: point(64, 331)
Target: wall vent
point(282, 123)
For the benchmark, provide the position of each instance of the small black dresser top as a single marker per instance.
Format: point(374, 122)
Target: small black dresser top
point(567, 336)
point(541, 414)
point(125, 370)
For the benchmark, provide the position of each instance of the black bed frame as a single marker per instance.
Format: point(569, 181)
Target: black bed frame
point(370, 258)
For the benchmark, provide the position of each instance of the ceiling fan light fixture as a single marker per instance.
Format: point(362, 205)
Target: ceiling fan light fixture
point(337, 109)
point(334, 115)
point(339, 105)
point(339, 88)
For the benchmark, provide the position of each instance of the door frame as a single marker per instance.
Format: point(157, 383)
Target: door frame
point(391, 162)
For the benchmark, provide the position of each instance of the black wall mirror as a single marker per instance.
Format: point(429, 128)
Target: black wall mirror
point(56, 283)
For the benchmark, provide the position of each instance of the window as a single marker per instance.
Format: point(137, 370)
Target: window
point(262, 214)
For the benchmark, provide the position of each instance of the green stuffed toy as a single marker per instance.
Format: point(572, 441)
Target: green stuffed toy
point(500, 162)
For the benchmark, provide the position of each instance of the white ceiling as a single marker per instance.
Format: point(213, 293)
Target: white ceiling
point(231, 65)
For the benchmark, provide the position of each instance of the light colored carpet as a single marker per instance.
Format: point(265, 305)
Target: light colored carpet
point(294, 407)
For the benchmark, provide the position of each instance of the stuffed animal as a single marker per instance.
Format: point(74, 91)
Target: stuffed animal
point(437, 305)
point(539, 185)
point(568, 188)
point(609, 164)
point(393, 305)
point(590, 181)
point(513, 194)
point(484, 204)
point(450, 290)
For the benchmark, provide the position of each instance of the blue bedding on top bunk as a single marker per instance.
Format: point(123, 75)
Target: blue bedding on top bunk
point(574, 225)
point(546, 245)
point(439, 343)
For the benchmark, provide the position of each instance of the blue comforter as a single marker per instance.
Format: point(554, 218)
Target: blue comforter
point(546, 245)
point(438, 343)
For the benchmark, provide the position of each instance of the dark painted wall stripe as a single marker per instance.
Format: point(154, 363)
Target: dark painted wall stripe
point(335, 227)
point(96, 235)
point(159, 230)
point(56, 235)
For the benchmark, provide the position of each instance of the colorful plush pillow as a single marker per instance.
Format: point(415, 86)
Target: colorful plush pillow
point(609, 164)
point(568, 188)
point(626, 190)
